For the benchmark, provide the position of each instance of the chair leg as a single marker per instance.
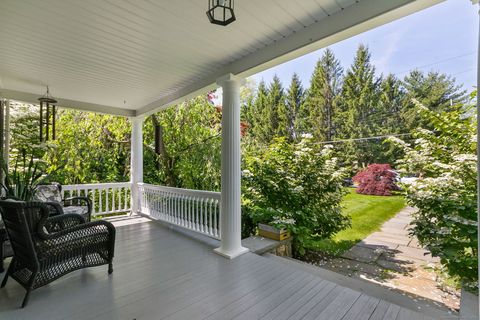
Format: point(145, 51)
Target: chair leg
point(25, 299)
point(110, 268)
point(5, 278)
point(1, 256)
point(30, 285)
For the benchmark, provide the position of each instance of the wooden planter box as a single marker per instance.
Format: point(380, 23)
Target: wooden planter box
point(273, 233)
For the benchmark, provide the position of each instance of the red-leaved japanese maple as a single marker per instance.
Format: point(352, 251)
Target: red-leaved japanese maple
point(376, 179)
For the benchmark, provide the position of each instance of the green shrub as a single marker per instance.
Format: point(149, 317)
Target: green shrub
point(21, 182)
point(446, 192)
point(298, 186)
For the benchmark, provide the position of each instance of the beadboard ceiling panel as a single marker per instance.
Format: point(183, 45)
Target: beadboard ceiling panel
point(134, 56)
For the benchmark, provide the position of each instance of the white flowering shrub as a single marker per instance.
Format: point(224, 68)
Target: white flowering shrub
point(297, 186)
point(446, 191)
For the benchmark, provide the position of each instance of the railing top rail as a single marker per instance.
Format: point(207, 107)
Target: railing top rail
point(96, 185)
point(188, 192)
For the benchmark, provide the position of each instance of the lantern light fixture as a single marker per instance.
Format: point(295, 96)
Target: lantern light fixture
point(221, 12)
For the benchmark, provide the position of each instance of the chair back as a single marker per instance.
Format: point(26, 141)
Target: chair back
point(22, 221)
point(49, 193)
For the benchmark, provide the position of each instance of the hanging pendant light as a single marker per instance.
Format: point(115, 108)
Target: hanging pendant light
point(221, 12)
point(47, 116)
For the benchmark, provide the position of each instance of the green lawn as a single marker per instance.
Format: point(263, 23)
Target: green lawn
point(368, 213)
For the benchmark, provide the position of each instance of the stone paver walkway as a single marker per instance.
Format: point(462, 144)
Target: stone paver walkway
point(392, 258)
point(392, 245)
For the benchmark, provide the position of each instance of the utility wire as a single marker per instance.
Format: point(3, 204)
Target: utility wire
point(364, 139)
point(464, 71)
point(437, 62)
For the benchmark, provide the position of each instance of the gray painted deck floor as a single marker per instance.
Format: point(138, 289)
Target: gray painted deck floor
point(163, 274)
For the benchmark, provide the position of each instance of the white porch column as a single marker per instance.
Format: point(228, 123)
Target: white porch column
point(478, 138)
point(136, 160)
point(231, 244)
point(4, 130)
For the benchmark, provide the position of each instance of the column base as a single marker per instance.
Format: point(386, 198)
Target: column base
point(231, 254)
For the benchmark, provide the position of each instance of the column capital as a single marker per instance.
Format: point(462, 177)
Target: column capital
point(230, 77)
point(137, 118)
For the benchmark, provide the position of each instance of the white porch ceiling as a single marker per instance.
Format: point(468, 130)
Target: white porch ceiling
point(132, 57)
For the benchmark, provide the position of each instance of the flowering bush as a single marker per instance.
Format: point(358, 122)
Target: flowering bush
point(446, 192)
point(376, 179)
point(297, 186)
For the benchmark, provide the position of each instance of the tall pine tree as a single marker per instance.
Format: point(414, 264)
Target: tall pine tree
point(293, 102)
point(255, 115)
point(359, 116)
point(391, 102)
point(276, 112)
point(390, 121)
point(321, 102)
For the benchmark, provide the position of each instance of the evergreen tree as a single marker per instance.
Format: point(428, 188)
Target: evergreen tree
point(391, 102)
point(276, 112)
point(256, 116)
point(390, 121)
point(321, 101)
point(436, 91)
point(359, 115)
point(294, 100)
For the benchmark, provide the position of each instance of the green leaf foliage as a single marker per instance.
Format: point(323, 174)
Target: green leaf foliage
point(191, 143)
point(89, 148)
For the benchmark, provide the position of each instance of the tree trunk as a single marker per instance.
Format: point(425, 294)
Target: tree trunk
point(164, 158)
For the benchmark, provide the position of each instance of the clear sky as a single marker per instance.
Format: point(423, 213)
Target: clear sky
point(443, 38)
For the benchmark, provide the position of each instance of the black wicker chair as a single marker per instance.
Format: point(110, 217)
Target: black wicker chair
point(46, 248)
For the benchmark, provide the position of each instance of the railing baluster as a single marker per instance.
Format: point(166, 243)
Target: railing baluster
point(113, 200)
point(195, 205)
point(190, 218)
point(100, 203)
point(124, 198)
point(184, 216)
point(93, 201)
point(214, 218)
point(200, 213)
point(210, 227)
point(205, 212)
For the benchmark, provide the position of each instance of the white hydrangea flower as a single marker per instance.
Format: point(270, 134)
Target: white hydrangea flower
point(307, 136)
point(247, 173)
point(298, 189)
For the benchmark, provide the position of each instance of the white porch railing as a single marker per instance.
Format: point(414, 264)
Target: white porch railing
point(195, 210)
point(106, 198)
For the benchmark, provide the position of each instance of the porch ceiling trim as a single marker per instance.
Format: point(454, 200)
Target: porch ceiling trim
point(353, 20)
point(69, 104)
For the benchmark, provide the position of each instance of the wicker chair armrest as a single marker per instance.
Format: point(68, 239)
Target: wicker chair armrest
point(78, 201)
point(55, 208)
point(90, 227)
point(64, 221)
